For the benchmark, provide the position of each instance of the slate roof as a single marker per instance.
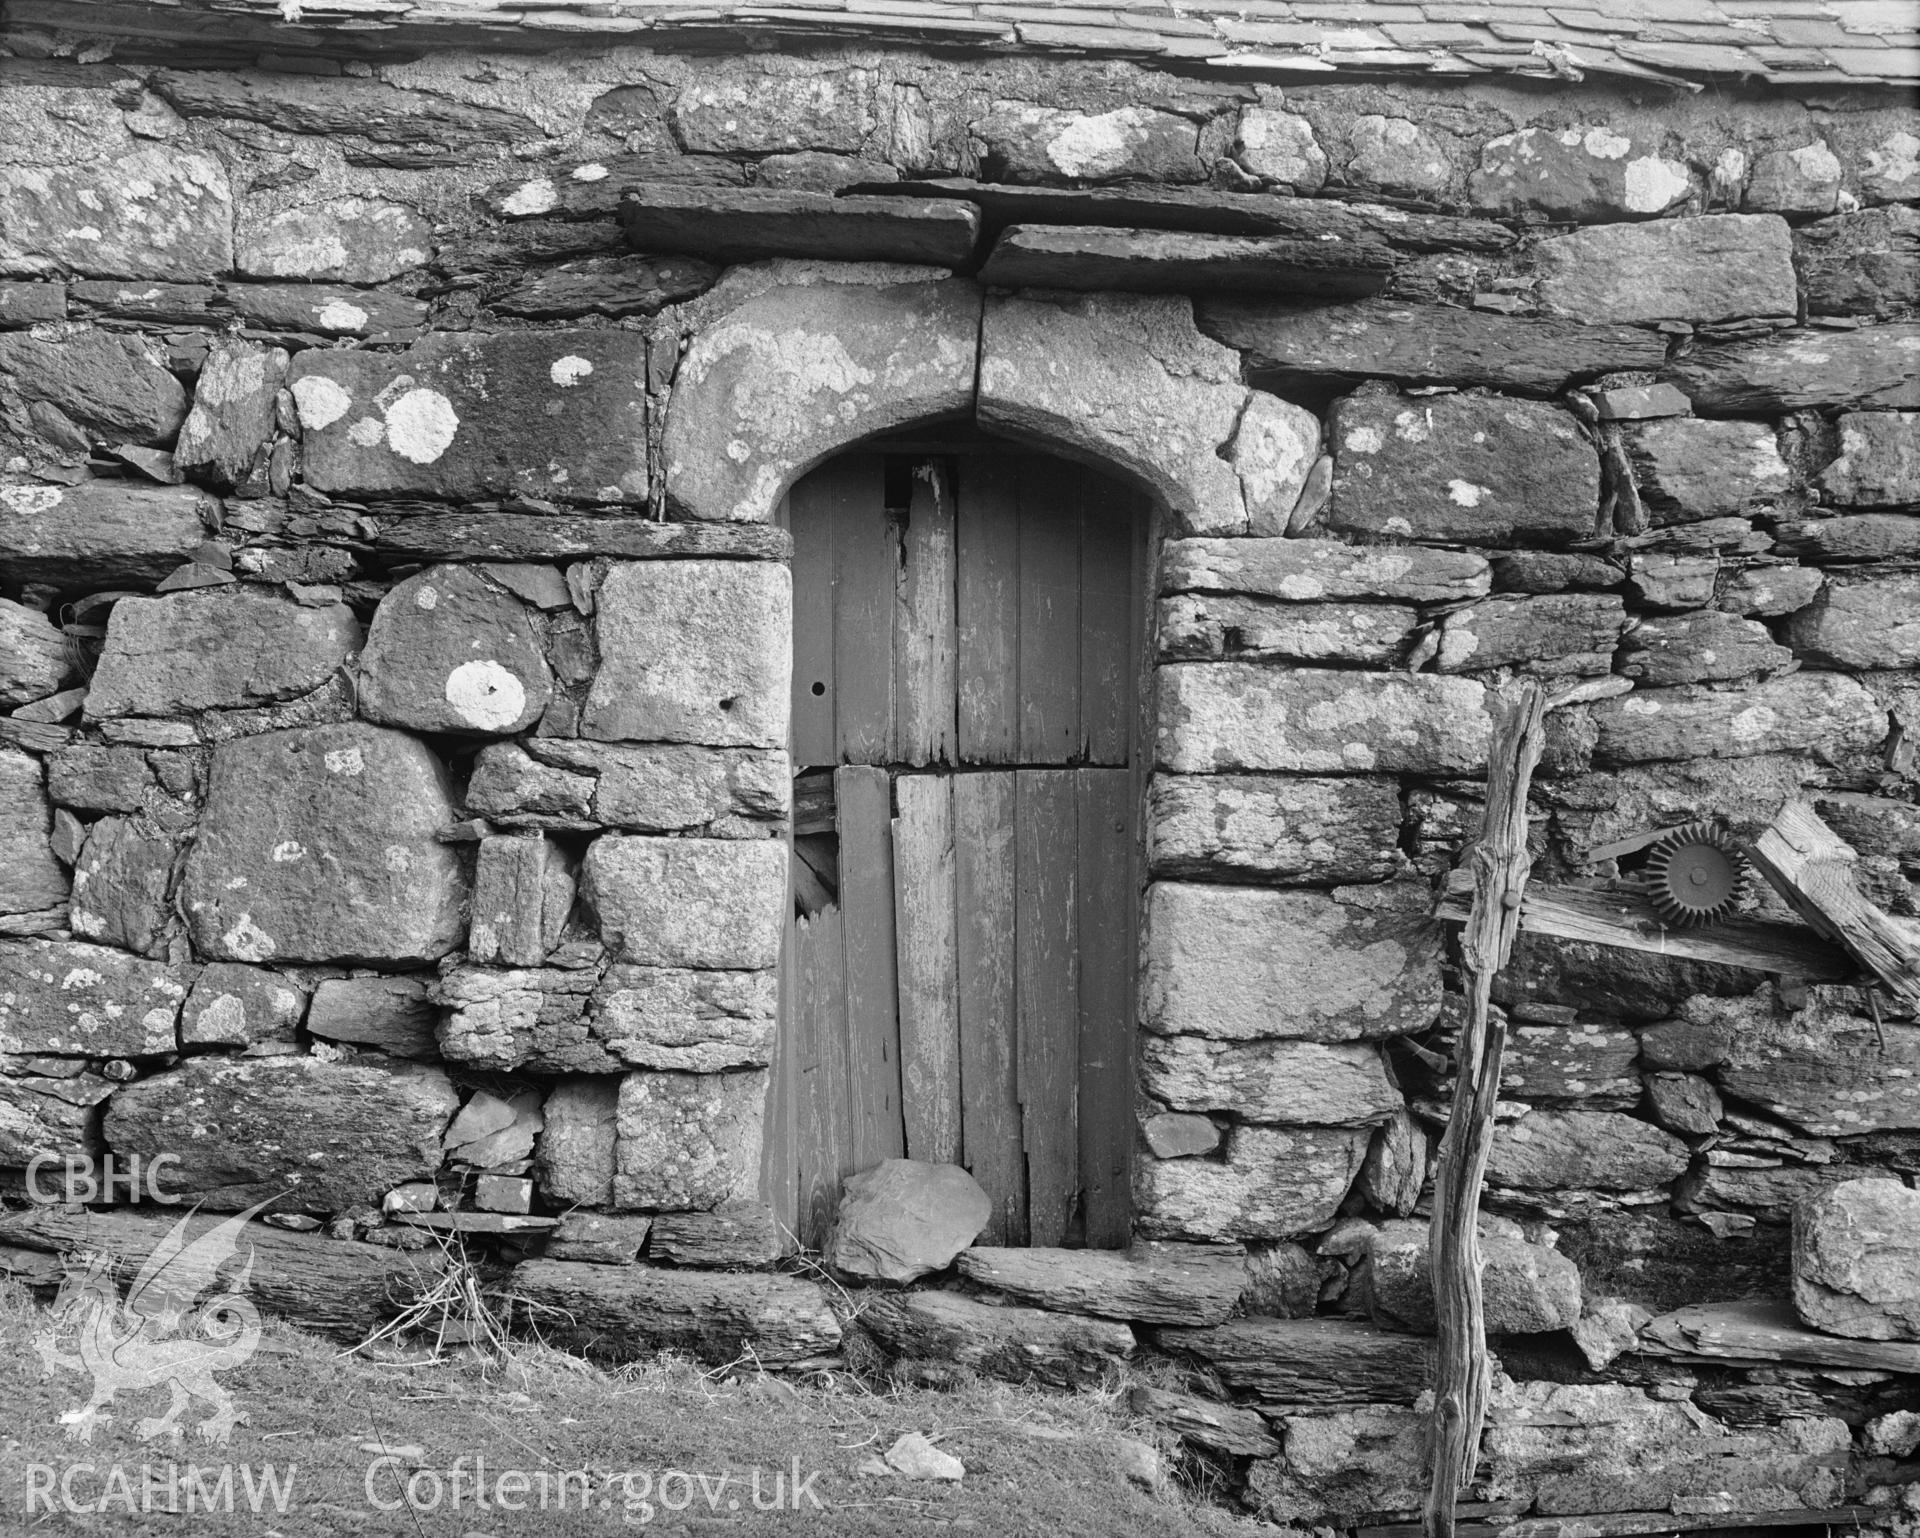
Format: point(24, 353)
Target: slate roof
point(1687, 42)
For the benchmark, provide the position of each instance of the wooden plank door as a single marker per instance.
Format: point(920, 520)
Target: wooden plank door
point(967, 656)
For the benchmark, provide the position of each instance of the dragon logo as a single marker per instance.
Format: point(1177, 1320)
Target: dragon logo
point(160, 1336)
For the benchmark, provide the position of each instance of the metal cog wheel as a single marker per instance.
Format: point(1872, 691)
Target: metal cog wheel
point(1697, 875)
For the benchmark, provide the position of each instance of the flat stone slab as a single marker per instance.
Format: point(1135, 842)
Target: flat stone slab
point(240, 1006)
point(677, 1017)
point(1690, 470)
point(1274, 1183)
point(33, 655)
point(1421, 344)
point(1285, 1083)
point(318, 844)
point(605, 285)
point(332, 1136)
point(114, 388)
point(394, 1014)
point(1167, 261)
point(554, 414)
point(1216, 716)
point(734, 1235)
point(118, 532)
point(73, 999)
point(1310, 1361)
point(1874, 367)
point(1216, 626)
point(787, 377)
point(643, 787)
point(158, 212)
point(1554, 633)
point(325, 310)
point(1461, 467)
point(1241, 963)
point(343, 240)
point(626, 1313)
point(1716, 268)
point(450, 651)
point(1825, 1070)
point(523, 537)
point(1584, 1150)
point(1152, 1283)
point(1806, 711)
point(1302, 570)
point(1274, 827)
point(1668, 649)
point(1018, 1344)
point(216, 650)
point(728, 224)
point(1851, 537)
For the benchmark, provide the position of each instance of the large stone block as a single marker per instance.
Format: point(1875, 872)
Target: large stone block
point(31, 880)
point(574, 1160)
point(781, 381)
point(1280, 147)
point(318, 844)
point(1420, 344)
point(1124, 381)
point(1286, 828)
point(1597, 1448)
point(1828, 1072)
point(114, 388)
point(1688, 470)
point(330, 1136)
point(217, 649)
point(686, 902)
point(698, 1022)
point(1211, 626)
point(1583, 1150)
point(1314, 570)
point(1879, 463)
point(1861, 623)
point(1856, 1260)
point(343, 240)
point(158, 212)
point(1284, 1083)
point(395, 1014)
point(723, 112)
point(1528, 1288)
point(121, 883)
point(1028, 143)
point(520, 1017)
point(522, 894)
point(1273, 453)
point(1347, 1466)
point(50, 1114)
point(688, 1140)
point(1180, 1284)
point(904, 1219)
point(1799, 713)
point(1461, 467)
point(1872, 368)
point(78, 1000)
point(646, 787)
point(449, 651)
point(1721, 267)
point(1236, 715)
point(1240, 963)
point(34, 657)
point(1701, 647)
point(1866, 263)
point(1552, 633)
point(1578, 175)
point(552, 414)
point(234, 411)
point(1274, 1183)
point(115, 532)
point(240, 1006)
point(693, 651)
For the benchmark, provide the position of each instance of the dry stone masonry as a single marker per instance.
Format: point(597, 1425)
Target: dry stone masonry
point(397, 635)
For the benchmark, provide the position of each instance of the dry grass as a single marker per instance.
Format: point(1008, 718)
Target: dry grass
point(1038, 1462)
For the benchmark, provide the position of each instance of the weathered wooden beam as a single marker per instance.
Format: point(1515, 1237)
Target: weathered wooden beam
point(1628, 921)
point(1500, 862)
point(1811, 866)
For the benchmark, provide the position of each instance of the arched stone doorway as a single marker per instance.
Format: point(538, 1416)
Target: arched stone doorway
point(969, 636)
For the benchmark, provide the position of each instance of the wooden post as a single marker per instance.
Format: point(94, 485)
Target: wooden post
point(1499, 861)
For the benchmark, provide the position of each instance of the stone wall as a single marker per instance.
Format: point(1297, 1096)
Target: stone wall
point(397, 647)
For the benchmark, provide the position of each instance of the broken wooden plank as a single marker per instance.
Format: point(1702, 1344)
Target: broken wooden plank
point(1110, 602)
point(988, 611)
point(1048, 650)
point(1108, 922)
point(1811, 866)
point(1628, 920)
point(872, 999)
point(1499, 860)
point(813, 809)
point(866, 569)
point(780, 1153)
point(812, 508)
point(923, 711)
point(1047, 973)
point(1768, 1330)
point(924, 918)
point(822, 1136)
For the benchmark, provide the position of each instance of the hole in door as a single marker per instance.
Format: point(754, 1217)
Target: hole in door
point(958, 979)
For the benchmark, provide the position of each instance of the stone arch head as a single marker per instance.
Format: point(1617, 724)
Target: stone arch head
point(801, 370)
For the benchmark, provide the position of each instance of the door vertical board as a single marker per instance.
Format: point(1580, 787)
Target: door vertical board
point(779, 1159)
point(811, 513)
point(984, 888)
point(923, 908)
point(862, 795)
point(822, 1131)
point(1104, 836)
point(866, 574)
point(1047, 987)
point(1107, 609)
point(924, 644)
point(987, 538)
point(1049, 611)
